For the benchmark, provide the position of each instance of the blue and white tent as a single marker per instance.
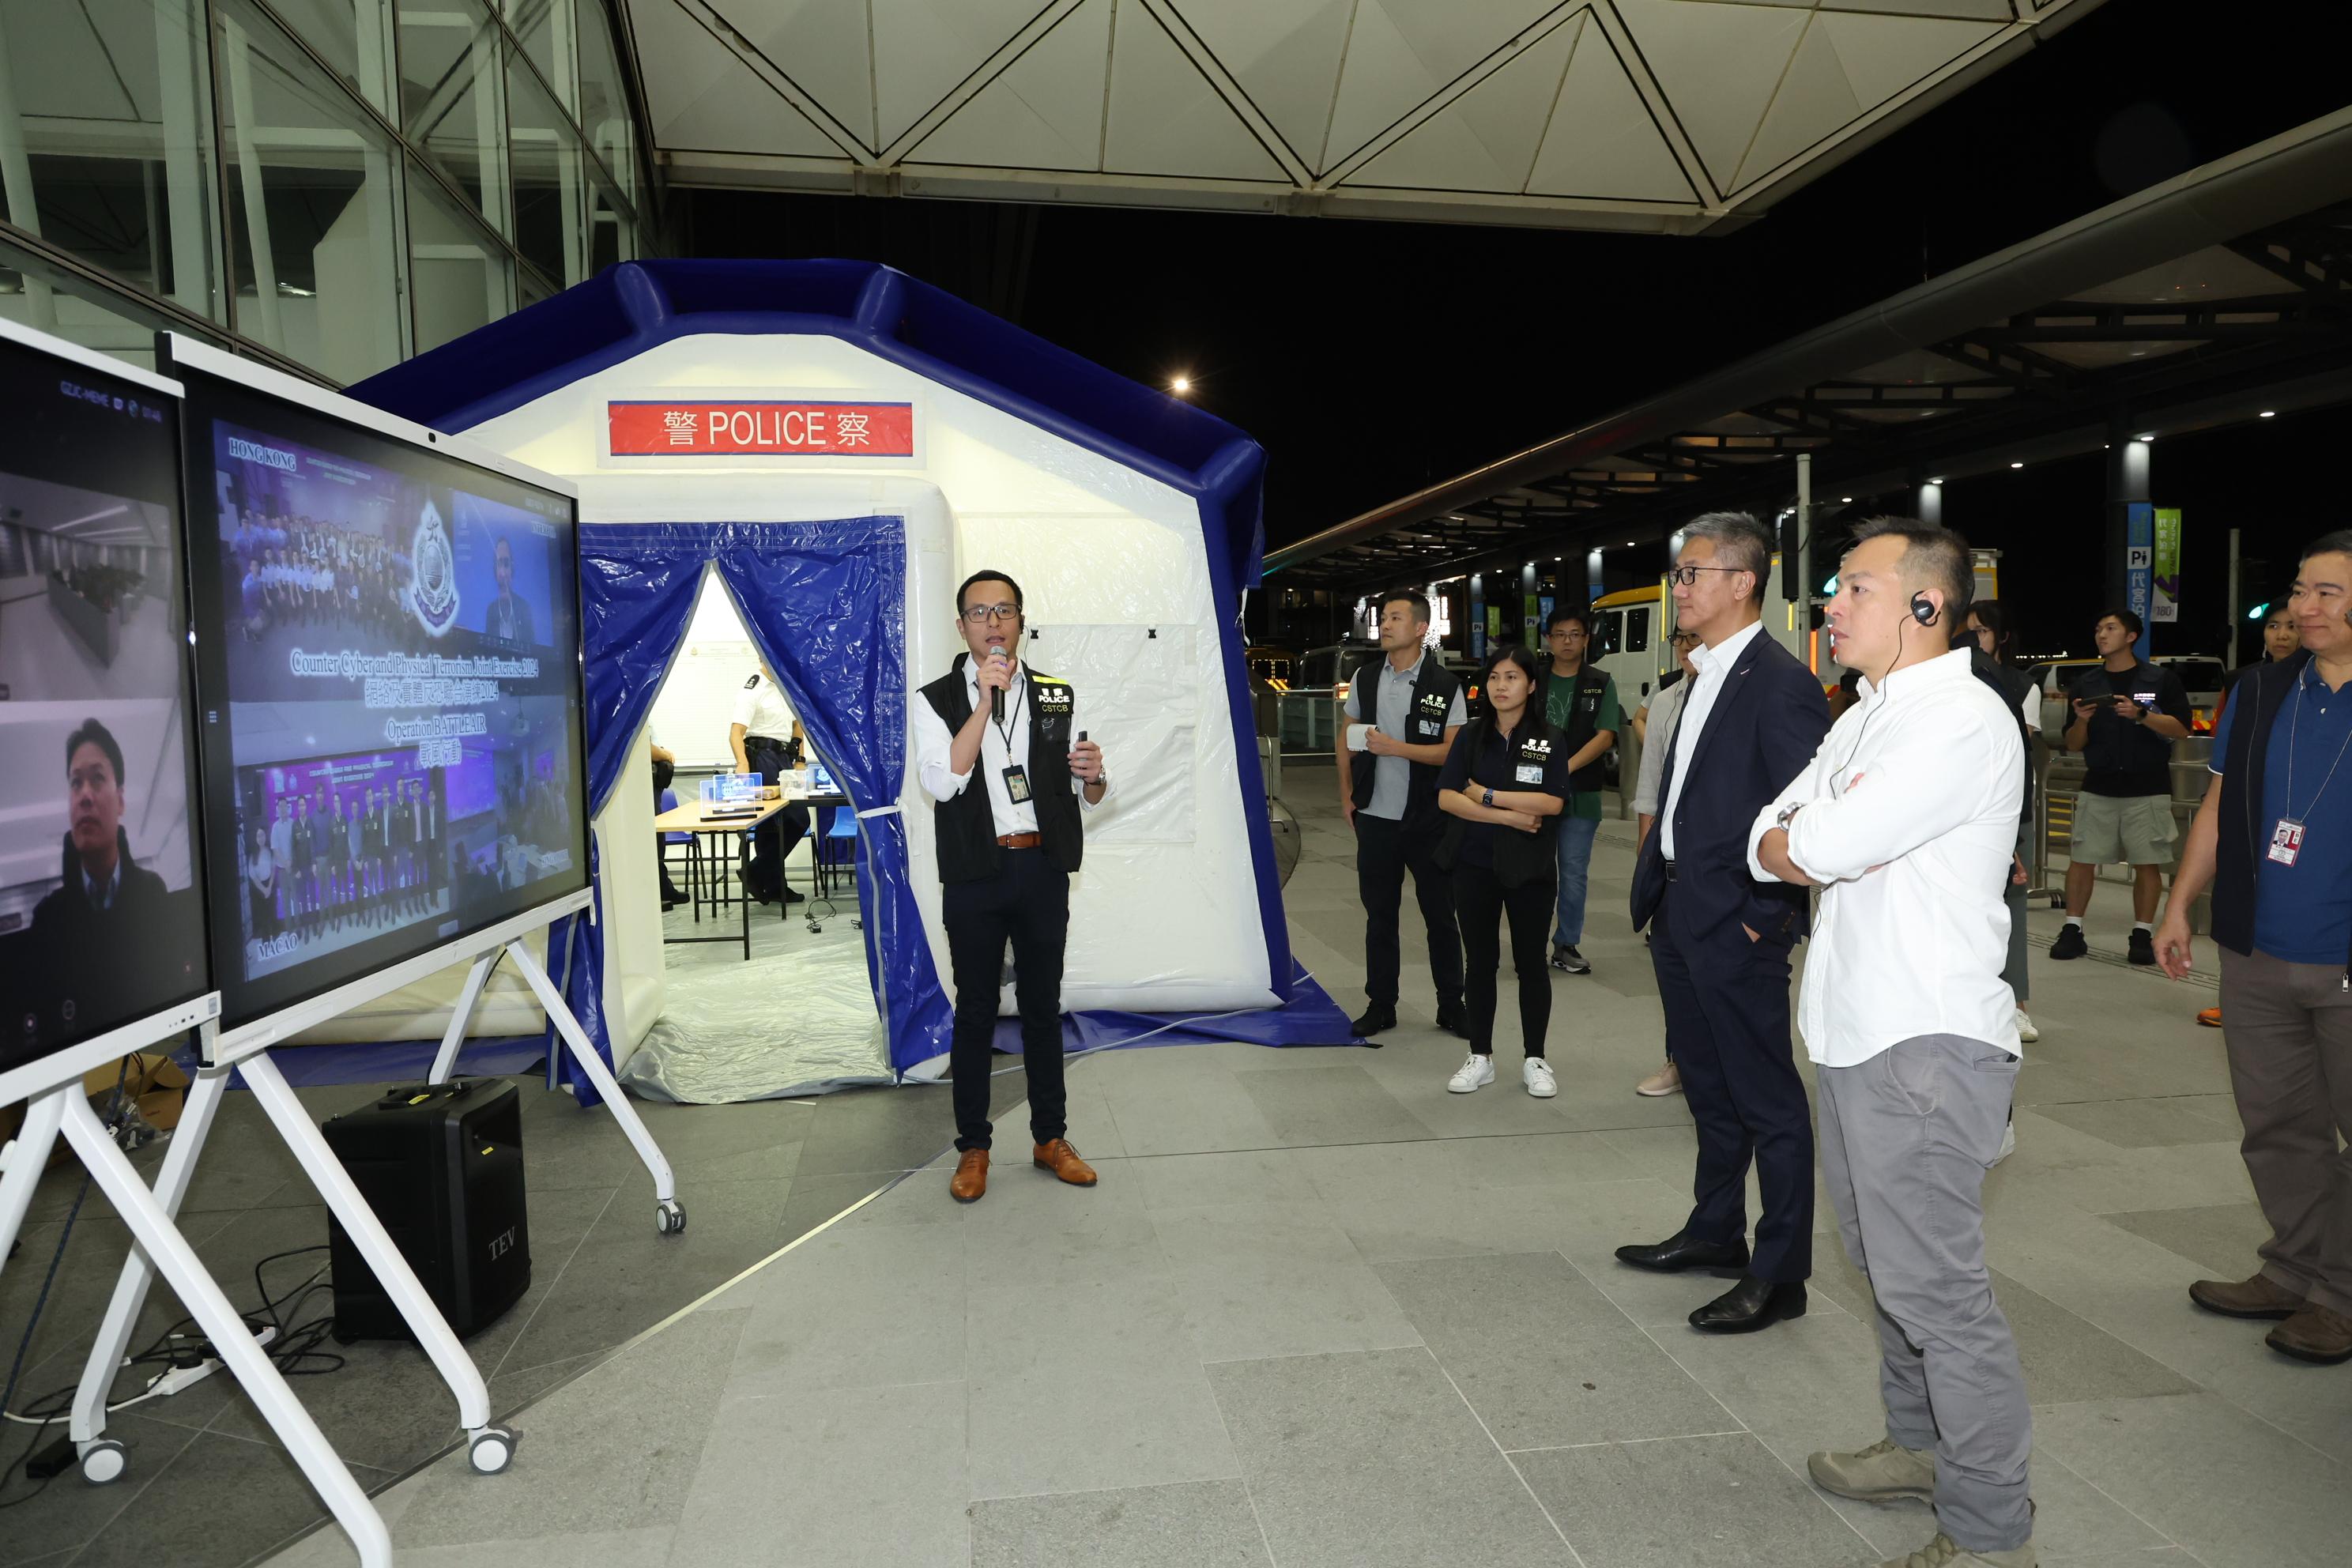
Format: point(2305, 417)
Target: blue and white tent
point(840, 443)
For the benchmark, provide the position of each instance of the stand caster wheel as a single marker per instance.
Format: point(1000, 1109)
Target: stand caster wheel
point(814, 928)
point(103, 1462)
point(491, 1450)
point(669, 1218)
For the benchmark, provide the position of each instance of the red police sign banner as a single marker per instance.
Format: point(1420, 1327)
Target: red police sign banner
point(704, 427)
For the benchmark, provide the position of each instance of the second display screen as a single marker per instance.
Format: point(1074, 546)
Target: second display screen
point(388, 682)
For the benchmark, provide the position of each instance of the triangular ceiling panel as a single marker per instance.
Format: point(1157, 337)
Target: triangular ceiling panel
point(821, 45)
point(1719, 66)
point(1813, 100)
point(1166, 118)
point(705, 97)
point(1602, 143)
point(1976, 10)
point(1401, 52)
point(922, 48)
point(1487, 138)
point(1283, 53)
point(1884, 56)
point(1045, 111)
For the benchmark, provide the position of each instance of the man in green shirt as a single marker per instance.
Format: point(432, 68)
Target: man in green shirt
point(1583, 702)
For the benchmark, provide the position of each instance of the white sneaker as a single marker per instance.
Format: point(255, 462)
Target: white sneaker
point(1476, 1073)
point(1536, 1073)
point(2025, 1029)
point(2008, 1144)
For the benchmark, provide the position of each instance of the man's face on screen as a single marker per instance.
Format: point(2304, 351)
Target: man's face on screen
point(94, 799)
point(502, 562)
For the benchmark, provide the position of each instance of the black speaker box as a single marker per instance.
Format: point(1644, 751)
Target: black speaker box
point(441, 1164)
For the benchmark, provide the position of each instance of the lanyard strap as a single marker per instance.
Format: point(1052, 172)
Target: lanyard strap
point(2294, 726)
point(1004, 730)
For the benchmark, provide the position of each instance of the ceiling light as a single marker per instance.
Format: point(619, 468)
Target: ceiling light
point(1935, 482)
point(2149, 437)
point(1845, 500)
point(1629, 544)
point(2017, 465)
point(2267, 413)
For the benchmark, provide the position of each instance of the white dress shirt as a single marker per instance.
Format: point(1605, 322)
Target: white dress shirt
point(762, 709)
point(1714, 665)
point(998, 748)
point(1909, 820)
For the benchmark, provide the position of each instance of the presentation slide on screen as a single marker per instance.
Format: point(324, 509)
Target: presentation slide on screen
point(398, 656)
point(101, 919)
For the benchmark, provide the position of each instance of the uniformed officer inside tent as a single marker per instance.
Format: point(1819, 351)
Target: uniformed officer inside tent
point(766, 739)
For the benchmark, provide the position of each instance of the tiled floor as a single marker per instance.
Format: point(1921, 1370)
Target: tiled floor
point(1319, 1311)
point(206, 1483)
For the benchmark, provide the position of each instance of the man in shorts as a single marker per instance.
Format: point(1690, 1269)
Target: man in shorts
point(2126, 715)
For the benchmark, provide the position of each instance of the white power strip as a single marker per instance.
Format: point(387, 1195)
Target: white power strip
point(179, 1379)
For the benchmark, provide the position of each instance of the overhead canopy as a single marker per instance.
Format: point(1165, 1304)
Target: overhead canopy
point(1671, 116)
point(2206, 300)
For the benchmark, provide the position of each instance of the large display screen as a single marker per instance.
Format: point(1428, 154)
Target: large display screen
point(388, 671)
point(101, 912)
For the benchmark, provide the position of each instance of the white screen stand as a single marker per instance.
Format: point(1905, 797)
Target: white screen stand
point(247, 1049)
point(64, 1108)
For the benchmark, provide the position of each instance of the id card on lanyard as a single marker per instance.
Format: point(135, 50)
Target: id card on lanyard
point(2286, 841)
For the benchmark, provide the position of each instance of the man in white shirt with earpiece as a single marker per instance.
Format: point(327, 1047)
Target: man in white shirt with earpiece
point(1906, 819)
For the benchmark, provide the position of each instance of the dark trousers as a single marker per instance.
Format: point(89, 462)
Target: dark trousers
point(775, 837)
point(1385, 850)
point(2289, 1032)
point(1726, 1005)
point(1481, 901)
point(1028, 902)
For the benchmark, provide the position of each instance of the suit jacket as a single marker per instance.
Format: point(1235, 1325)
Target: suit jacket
point(1766, 724)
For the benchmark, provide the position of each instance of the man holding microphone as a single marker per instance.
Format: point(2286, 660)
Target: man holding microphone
point(1907, 820)
point(1006, 850)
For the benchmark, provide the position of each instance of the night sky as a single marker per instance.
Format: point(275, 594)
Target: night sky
point(1372, 358)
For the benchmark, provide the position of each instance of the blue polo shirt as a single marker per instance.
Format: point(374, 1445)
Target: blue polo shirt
point(2303, 912)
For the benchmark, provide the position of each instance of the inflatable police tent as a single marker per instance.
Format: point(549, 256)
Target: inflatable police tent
point(840, 443)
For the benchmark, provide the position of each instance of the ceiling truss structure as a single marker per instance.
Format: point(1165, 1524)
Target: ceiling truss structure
point(2232, 325)
point(1662, 116)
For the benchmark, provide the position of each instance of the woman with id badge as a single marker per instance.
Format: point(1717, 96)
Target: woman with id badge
point(1503, 785)
point(2273, 840)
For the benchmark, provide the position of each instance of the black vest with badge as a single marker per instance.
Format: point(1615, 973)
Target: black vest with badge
point(967, 826)
point(2241, 835)
point(1434, 690)
point(1519, 857)
point(1583, 723)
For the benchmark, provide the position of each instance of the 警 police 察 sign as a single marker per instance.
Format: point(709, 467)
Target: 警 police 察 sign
point(759, 428)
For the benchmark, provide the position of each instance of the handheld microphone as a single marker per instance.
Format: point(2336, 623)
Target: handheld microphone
point(996, 704)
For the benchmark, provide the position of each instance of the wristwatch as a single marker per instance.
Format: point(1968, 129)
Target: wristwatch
point(1788, 814)
point(1490, 798)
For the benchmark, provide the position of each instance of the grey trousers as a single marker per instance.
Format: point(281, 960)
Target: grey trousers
point(2289, 1028)
point(1905, 1140)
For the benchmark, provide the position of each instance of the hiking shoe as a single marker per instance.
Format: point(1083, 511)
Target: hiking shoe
point(2070, 944)
point(1881, 1473)
point(1567, 960)
point(1945, 1552)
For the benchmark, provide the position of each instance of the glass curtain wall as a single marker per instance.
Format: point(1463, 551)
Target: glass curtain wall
point(336, 184)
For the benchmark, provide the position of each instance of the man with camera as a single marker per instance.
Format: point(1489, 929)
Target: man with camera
point(2127, 714)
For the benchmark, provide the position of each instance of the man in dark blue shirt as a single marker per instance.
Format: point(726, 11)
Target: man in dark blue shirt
point(2273, 837)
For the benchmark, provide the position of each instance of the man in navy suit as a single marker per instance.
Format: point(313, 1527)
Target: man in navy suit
point(1720, 940)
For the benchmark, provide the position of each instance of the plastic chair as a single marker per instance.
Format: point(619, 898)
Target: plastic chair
point(690, 842)
point(837, 844)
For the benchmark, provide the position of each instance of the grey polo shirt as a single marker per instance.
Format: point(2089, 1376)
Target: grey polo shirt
point(1392, 776)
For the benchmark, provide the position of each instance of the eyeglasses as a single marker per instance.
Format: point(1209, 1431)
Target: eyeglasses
point(981, 613)
point(1684, 576)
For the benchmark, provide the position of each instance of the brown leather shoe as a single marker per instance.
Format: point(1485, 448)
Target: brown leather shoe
point(2317, 1333)
point(2260, 1297)
point(970, 1179)
point(1063, 1161)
